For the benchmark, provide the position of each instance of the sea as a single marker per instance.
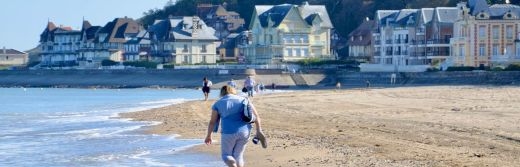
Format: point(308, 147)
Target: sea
point(79, 127)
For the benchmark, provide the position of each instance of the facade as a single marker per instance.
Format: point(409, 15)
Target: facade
point(224, 22)
point(86, 48)
point(59, 46)
point(486, 35)
point(360, 41)
point(288, 33)
point(230, 48)
point(11, 57)
point(139, 48)
point(183, 40)
point(412, 39)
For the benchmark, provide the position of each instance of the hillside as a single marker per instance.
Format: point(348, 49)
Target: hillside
point(346, 15)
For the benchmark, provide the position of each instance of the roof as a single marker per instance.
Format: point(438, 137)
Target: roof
point(383, 15)
point(406, 17)
point(477, 6)
point(119, 28)
point(48, 32)
point(427, 15)
point(446, 14)
point(277, 13)
point(364, 30)
point(499, 10)
point(11, 52)
point(181, 28)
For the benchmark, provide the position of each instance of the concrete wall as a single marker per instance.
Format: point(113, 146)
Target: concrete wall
point(193, 78)
point(382, 79)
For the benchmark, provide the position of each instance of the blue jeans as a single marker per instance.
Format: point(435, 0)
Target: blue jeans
point(249, 91)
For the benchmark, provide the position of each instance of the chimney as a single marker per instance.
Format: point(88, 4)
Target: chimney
point(195, 26)
point(302, 6)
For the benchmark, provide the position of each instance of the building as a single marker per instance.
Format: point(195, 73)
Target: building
point(59, 46)
point(139, 48)
point(486, 35)
point(360, 42)
point(411, 39)
point(183, 40)
point(229, 50)
point(288, 33)
point(88, 47)
point(11, 57)
point(224, 22)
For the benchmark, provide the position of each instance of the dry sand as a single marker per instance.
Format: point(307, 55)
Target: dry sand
point(412, 126)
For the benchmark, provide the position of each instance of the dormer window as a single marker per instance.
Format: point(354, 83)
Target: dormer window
point(509, 15)
point(483, 15)
point(352, 38)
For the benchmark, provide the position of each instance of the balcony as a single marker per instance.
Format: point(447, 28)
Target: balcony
point(389, 41)
point(377, 42)
point(437, 53)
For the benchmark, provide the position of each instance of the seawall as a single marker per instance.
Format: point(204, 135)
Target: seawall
point(193, 78)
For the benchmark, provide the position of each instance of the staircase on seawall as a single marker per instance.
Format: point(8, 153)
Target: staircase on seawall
point(299, 81)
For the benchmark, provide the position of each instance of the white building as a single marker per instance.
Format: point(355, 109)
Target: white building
point(183, 40)
point(288, 33)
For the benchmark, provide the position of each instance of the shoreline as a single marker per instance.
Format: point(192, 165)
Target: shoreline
point(404, 126)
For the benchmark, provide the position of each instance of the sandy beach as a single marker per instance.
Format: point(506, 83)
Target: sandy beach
point(409, 126)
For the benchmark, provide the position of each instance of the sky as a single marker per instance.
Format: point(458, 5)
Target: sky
point(22, 21)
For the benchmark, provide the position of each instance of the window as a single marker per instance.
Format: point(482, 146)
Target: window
point(289, 52)
point(462, 50)
point(204, 50)
point(482, 50)
point(509, 32)
point(495, 30)
point(185, 49)
point(495, 50)
point(298, 52)
point(203, 59)
point(305, 52)
point(482, 31)
point(6, 57)
point(185, 59)
point(508, 50)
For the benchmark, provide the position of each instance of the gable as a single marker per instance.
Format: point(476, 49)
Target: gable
point(293, 18)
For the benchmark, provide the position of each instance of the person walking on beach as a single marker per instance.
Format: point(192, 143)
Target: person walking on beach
point(206, 87)
point(249, 83)
point(234, 132)
point(338, 85)
point(232, 83)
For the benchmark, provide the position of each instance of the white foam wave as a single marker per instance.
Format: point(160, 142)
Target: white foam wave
point(148, 161)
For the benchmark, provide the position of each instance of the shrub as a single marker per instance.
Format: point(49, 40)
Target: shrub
point(461, 68)
point(432, 69)
point(107, 62)
point(32, 64)
point(171, 66)
point(145, 64)
point(513, 67)
point(497, 69)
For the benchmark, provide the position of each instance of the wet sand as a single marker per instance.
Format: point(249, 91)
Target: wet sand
point(411, 126)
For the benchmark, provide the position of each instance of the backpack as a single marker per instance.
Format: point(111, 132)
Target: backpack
point(247, 113)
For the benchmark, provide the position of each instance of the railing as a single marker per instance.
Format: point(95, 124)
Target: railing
point(438, 53)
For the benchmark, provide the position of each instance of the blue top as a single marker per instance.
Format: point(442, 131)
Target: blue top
point(230, 110)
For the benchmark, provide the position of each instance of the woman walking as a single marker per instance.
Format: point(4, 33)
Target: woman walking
point(235, 132)
point(206, 84)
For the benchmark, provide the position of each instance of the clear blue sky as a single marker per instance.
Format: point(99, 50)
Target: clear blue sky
point(22, 21)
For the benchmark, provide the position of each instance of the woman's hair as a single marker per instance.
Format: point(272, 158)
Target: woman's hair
point(225, 90)
point(205, 78)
